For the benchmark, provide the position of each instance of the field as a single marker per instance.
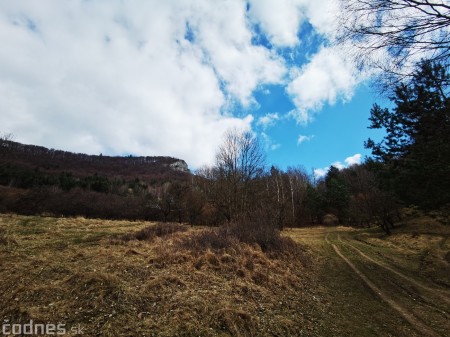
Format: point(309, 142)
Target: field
point(120, 278)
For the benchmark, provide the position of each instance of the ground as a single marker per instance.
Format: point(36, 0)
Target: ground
point(94, 275)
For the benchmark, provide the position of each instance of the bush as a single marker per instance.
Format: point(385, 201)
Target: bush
point(255, 228)
point(330, 220)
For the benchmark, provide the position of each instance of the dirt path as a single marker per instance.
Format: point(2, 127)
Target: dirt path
point(418, 325)
point(443, 292)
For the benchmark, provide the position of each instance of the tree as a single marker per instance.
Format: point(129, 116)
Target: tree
point(195, 202)
point(394, 35)
point(369, 204)
point(298, 184)
point(5, 141)
point(277, 195)
point(239, 160)
point(416, 149)
point(315, 203)
point(337, 194)
point(177, 192)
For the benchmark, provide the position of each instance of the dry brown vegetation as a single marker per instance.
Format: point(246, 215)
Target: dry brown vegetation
point(120, 278)
point(136, 279)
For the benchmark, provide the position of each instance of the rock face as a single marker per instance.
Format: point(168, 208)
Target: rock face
point(179, 165)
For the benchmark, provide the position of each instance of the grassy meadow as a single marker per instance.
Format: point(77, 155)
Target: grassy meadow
point(121, 278)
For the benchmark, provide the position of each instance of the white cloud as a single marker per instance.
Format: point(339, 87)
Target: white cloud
point(349, 161)
point(322, 16)
point(223, 35)
point(338, 165)
point(148, 78)
point(268, 142)
point(355, 159)
point(302, 138)
point(329, 76)
point(157, 77)
point(321, 172)
point(281, 20)
point(268, 120)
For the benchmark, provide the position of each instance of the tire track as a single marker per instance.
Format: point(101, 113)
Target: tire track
point(418, 325)
point(396, 272)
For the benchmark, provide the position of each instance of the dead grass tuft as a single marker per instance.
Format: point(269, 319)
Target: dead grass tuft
point(212, 238)
point(236, 322)
point(447, 257)
point(162, 283)
point(96, 288)
point(151, 232)
point(5, 239)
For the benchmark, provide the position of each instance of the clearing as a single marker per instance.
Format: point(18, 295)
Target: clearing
point(336, 281)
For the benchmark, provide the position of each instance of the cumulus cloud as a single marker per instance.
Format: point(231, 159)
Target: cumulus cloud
point(355, 159)
point(322, 16)
point(329, 76)
point(268, 120)
point(338, 165)
point(321, 172)
point(222, 32)
point(302, 138)
point(148, 78)
point(349, 161)
point(281, 20)
point(157, 77)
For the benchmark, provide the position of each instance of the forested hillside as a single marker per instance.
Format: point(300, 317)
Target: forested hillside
point(34, 179)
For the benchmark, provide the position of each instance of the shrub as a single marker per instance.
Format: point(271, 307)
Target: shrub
point(256, 228)
point(330, 220)
point(250, 230)
point(211, 238)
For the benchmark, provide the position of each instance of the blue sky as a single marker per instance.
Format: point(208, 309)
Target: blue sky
point(337, 132)
point(171, 77)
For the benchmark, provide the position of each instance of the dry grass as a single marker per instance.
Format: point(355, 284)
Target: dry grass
point(174, 282)
point(121, 278)
point(151, 232)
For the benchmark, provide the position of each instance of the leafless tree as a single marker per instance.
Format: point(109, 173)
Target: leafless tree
point(370, 204)
point(4, 139)
point(239, 160)
point(394, 35)
point(298, 183)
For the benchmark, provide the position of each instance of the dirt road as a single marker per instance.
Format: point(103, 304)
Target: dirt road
point(378, 285)
point(416, 323)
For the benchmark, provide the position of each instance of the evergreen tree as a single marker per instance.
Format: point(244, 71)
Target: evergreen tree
point(337, 193)
point(416, 148)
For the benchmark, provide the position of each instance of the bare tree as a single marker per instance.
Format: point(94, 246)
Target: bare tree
point(394, 35)
point(5, 142)
point(239, 160)
point(298, 183)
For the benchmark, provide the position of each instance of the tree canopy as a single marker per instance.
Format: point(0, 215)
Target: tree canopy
point(416, 148)
point(394, 35)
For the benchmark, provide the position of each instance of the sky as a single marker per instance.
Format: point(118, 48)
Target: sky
point(169, 78)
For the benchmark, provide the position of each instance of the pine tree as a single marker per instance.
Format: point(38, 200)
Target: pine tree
point(416, 148)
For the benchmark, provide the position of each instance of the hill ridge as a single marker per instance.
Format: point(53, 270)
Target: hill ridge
point(60, 160)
